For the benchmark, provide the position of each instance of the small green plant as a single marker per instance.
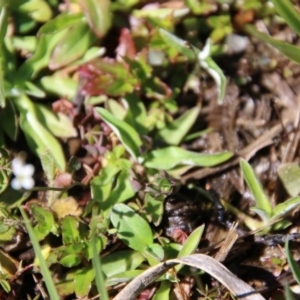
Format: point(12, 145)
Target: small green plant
point(263, 207)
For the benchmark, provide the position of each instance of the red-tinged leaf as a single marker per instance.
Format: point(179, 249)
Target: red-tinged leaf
point(107, 76)
point(126, 46)
point(98, 15)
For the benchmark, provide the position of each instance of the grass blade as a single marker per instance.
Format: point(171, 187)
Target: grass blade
point(98, 271)
point(293, 265)
point(261, 199)
point(290, 51)
point(44, 268)
point(288, 11)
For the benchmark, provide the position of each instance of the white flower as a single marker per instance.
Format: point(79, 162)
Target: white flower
point(23, 174)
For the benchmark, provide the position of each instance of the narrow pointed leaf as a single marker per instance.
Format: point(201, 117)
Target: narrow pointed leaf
point(170, 157)
point(127, 134)
point(262, 201)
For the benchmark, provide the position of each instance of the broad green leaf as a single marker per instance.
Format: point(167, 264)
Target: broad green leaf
point(290, 14)
point(133, 230)
point(261, 199)
point(73, 45)
point(292, 263)
point(170, 157)
point(48, 165)
point(116, 109)
point(38, 137)
point(38, 10)
point(127, 135)
point(180, 45)
point(98, 14)
point(40, 59)
point(3, 27)
point(83, 281)
point(45, 221)
point(121, 261)
point(121, 191)
point(70, 260)
point(44, 268)
point(136, 115)
point(9, 120)
point(155, 254)
point(70, 232)
point(58, 124)
point(154, 208)
point(174, 132)
point(285, 207)
point(289, 50)
point(60, 84)
point(62, 21)
point(163, 292)
point(289, 175)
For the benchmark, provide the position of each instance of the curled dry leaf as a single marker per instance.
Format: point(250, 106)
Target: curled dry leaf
point(201, 261)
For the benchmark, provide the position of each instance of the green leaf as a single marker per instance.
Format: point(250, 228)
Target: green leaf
point(285, 207)
point(73, 45)
point(191, 244)
point(44, 269)
point(70, 233)
point(288, 294)
point(9, 120)
point(48, 165)
point(38, 10)
point(293, 265)
point(83, 282)
point(133, 230)
point(121, 192)
point(163, 292)
point(3, 27)
point(45, 221)
point(180, 45)
point(290, 14)
point(207, 63)
point(61, 22)
point(70, 260)
point(289, 175)
point(98, 14)
point(40, 59)
point(60, 84)
point(121, 261)
point(38, 137)
point(261, 199)
point(175, 132)
point(170, 157)
point(290, 51)
point(98, 271)
point(155, 254)
point(58, 124)
point(127, 135)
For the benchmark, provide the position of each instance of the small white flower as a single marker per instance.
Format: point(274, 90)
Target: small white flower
point(23, 174)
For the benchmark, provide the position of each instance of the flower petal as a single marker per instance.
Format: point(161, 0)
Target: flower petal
point(27, 170)
point(16, 184)
point(27, 183)
point(17, 165)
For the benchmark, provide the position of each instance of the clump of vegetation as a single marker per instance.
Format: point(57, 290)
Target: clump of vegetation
point(127, 133)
